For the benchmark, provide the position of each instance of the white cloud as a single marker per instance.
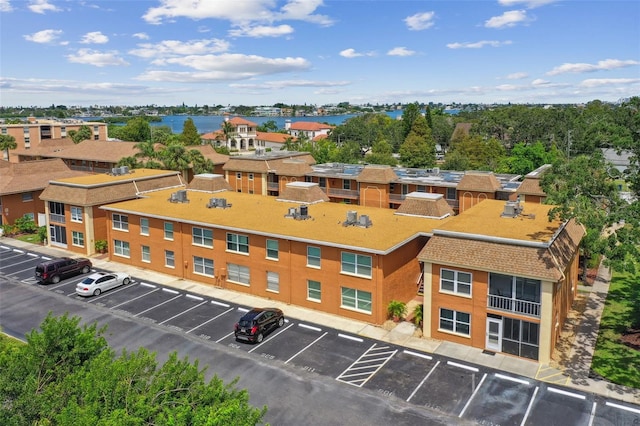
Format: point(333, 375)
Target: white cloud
point(42, 6)
point(507, 19)
point(44, 36)
point(262, 31)
point(302, 10)
point(420, 21)
point(96, 58)
point(606, 65)
point(5, 6)
point(172, 48)
point(351, 53)
point(531, 4)
point(478, 44)
point(400, 51)
point(141, 36)
point(597, 82)
point(283, 84)
point(517, 76)
point(540, 82)
point(95, 37)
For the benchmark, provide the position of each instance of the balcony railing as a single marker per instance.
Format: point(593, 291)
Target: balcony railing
point(342, 193)
point(517, 306)
point(273, 186)
point(57, 218)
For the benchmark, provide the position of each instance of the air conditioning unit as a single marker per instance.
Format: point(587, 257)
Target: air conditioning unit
point(364, 221)
point(352, 216)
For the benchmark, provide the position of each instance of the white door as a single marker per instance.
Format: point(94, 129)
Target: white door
point(494, 334)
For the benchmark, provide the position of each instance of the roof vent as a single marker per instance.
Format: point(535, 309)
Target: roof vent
point(300, 213)
point(115, 171)
point(179, 197)
point(220, 203)
point(124, 170)
point(353, 220)
point(512, 209)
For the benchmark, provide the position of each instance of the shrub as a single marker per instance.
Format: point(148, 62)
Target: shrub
point(101, 246)
point(26, 225)
point(42, 234)
point(417, 315)
point(396, 310)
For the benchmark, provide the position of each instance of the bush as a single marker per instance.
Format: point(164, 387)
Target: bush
point(42, 234)
point(396, 310)
point(101, 246)
point(9, 230)
point(417, 315)
point(26, 225)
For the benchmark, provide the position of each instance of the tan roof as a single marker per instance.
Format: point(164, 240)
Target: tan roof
point(425, 204)
point(265, 164)
point(311, 126)
point(88, 150)
point(377, 174)
point(293, 167)
point(479, 181)
point(530, 186)
point(209, 152)
point(34, 175)
point(209, 182)
point(303, 192)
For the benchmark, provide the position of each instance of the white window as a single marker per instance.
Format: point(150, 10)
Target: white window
point(250, 176)
point(27, 196)
point(313, 256)
point(168, 231)
point(121, 248)
point(77, 238)
point(238, 273)
point(272, 249)
point(203, 266)
point(238, 175)
point(146, 254)
point(202, 237)
point(356, 264)
point(314, 290)
point(273, 282)
point(237, 243)
point(455, 322)
point(455, 282)
point(357, 300)
point(76, 214)
point(169, 259)
point(346, 184)
point(144, 226)
point(120, 221)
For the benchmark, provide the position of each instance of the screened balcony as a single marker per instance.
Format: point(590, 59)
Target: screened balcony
point(514, 294)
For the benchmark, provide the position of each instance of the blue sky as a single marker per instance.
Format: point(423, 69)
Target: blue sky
point(260, 52)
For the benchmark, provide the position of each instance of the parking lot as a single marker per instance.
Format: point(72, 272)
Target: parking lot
point(467, 391)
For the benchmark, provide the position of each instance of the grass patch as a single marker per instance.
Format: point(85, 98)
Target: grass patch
point(612, 359)
point(28, 238)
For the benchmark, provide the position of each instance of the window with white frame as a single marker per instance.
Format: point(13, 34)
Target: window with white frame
point(145, 254)
point(30, 216)
point(355, 299)
point(314, 290)
point(76, 214)
point(237, 243)
point(238, 175)
point(346, 184)
point(250, 176)
point(272, 249)
point(313, 256)
point(168, 231)
point(169, 259)
point(77, 238)
point(203, 266)
point(120, 221)
point(202, 237)
point(455, 321)
point(273, 282)
point(238, 273)
point(27, 196)
point(121, 248)
point(457, 282)
point(356, 264)
point(144, 226)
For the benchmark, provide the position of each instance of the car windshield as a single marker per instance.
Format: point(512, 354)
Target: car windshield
point(88, 281)
point(246, 322)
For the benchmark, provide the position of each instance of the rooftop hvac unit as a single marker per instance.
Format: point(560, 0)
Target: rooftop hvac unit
point(511, 209)
point(115, 170)
point(213, 202)
point(124, 170)
point(304, 211)
point(179, 197)
point(352, 216)
point(436, 170)
point(364, 221)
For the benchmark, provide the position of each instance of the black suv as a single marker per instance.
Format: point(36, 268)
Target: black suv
point(52, 271)
point(258, 322)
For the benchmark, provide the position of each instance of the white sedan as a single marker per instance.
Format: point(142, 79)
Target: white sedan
point(96, 283)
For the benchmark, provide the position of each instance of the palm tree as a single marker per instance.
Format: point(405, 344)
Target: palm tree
point(147, 150)
point(228, 129)
point(175, 157)
point(199, 163)
point(7, 142)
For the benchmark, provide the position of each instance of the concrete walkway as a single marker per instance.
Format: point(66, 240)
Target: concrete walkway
point(573, 358)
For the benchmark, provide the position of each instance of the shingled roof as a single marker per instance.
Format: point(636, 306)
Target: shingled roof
point(303, 192)
point(377, 174)
point(479, 181)
point(425, 204)
point(34, 175)
point(209, 182)
point(273, 162)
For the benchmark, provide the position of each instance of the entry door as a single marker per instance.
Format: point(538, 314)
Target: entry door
point(494, 334)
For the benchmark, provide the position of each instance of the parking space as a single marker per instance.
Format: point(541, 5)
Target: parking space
point(553, 404)
point(614, 413)
point(287, 343)
point(194, 318)
point(16, 263)
point(221, 327)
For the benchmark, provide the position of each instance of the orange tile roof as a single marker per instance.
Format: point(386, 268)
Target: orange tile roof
point(311, 126)
point(239, 120)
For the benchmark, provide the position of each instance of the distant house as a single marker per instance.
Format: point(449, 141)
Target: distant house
point(308, 129)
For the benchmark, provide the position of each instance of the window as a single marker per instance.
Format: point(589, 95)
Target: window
point(76, 214)
point(169, 259)
point(357, 264)
point(203, 266)
point(144, 226)
point(314, 290)
point(238, 175)
point(238, 273)
point(77, 238)
point(421, 188)
point(346, 184)
point(322, 182)
point(27, 196)
point(58, 234)
point(250, 176)
point(168, 231)
point(313, 256)
point(120, 221)
point(29, 216)
point(455, 282)
point(455, 322)
point(520, 337)
point(356, 299)
point(202, 237)
point(272, 249)
point(238, 243)
point(451, 194)
point(121, 248)
point(514, 294)
point(146, 254)
point(273, 282)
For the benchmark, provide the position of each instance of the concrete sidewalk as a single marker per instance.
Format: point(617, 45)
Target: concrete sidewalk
point(572, 368)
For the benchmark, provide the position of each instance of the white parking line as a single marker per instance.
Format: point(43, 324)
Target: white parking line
point(310, 327)
point(622, 407)
point(210, 319)
point(220, 303)
point(136, 298)
point(526, 413)
point(159, 304)
point(355, 339)
point(20, 271)
point(365, 367)
point(182, 313)
point(423, 380)
point(169, 290)
point(564, 392)
point(417, 354)
point(466, 367)
point(513, 379)
point(306, 347)
point(273, 336)
point(191, 296)
point(5, 247)
point(32, 255)
point(18, 251)
point(148, 285)
point(475, 391)
point(593, 413)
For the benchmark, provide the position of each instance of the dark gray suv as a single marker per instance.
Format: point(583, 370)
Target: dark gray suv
point(257, 323)
point(52, 271)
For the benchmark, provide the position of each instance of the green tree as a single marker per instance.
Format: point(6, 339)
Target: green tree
point(175, 157)
point(418, 149)
point(268, 126)
point(82, 134)
point(410, 113)
point(381, 153)
point(199, 163)
point(526, 158)
point(190, 135)
point(7, 142)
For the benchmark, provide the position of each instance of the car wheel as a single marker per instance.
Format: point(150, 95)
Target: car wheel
point(55, 279)
point(259, 338)
point(96, 292)
point(281, 322)
point(86, 270)
point(126, 281)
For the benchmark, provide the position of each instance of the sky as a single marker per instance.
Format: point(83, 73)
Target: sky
point(317, 52)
